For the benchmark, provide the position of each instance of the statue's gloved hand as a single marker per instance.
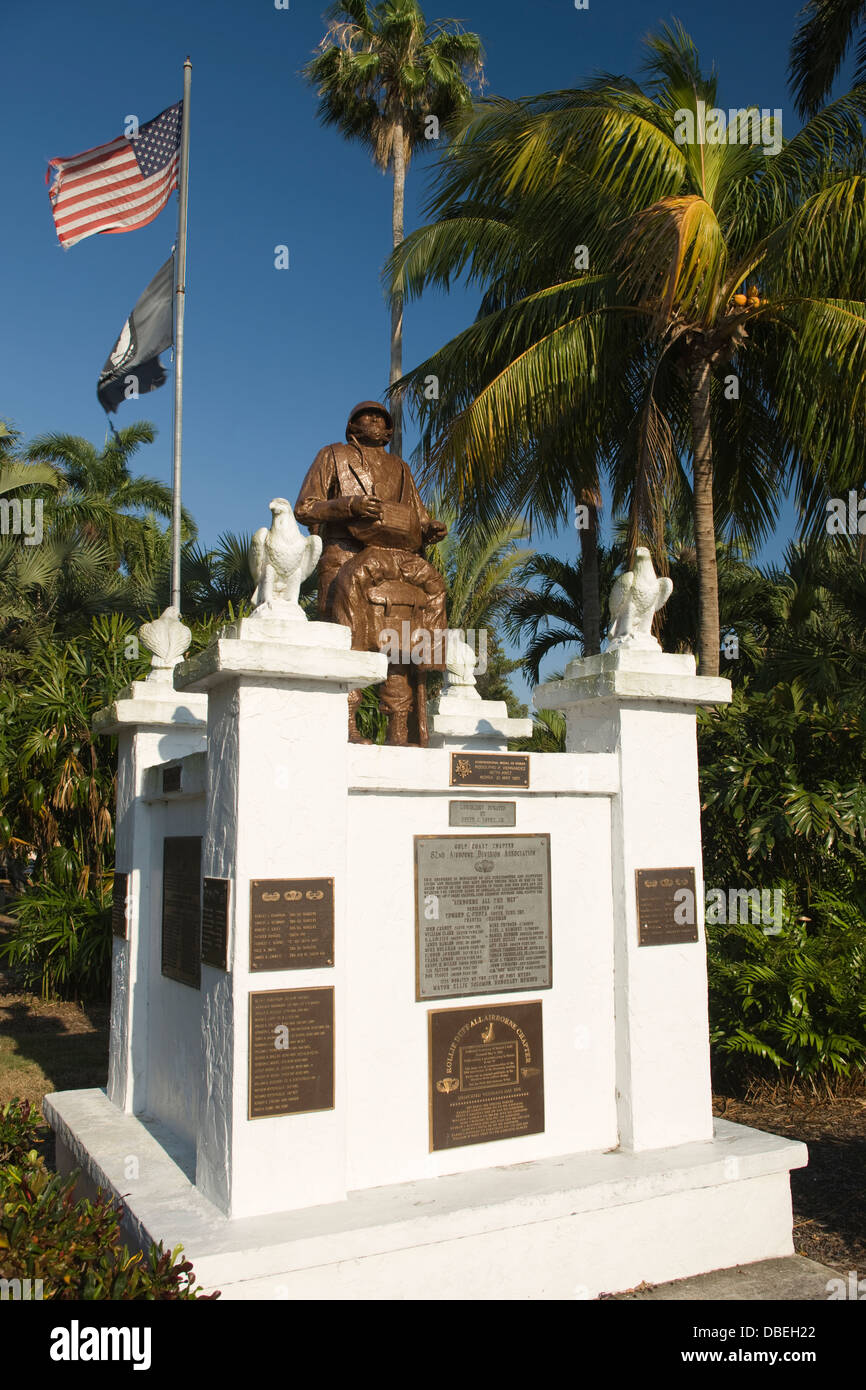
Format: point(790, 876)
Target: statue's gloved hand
point(367, 507)
point(436, 531)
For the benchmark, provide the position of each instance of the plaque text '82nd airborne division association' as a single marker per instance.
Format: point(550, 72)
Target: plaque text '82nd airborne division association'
point(666, 908)
point(482, 914)
point(486, 1074)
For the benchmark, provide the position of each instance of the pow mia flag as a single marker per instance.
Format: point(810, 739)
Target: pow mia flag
point(133, 365)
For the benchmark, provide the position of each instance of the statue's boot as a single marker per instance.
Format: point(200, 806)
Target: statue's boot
point(395, 700)
point(398, 728)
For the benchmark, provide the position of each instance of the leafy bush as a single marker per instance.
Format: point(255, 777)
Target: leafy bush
point(62, 943)
point(784, 806)
point(73, 1246)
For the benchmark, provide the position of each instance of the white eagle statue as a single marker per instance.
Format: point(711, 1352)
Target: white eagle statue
point(635, 597)
point(281, 559)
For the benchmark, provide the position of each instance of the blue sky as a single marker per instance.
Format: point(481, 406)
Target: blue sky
point(274, 359)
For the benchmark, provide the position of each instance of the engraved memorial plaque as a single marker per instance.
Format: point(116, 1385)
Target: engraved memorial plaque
point(291, 1069)
point(482, 914)
point(486, 1074)
point(291, 923)
point(484, 814)
point(489, 769)
point(666, 908)
point(120, 904)
point(171, 779)
point(215, 921)
point(181, 909)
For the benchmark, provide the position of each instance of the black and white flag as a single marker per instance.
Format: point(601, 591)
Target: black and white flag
point(133, 365)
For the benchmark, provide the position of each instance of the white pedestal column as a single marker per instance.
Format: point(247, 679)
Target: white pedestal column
point(462, 719)
point(641, 705)
point(276, 808)
point(153, 724)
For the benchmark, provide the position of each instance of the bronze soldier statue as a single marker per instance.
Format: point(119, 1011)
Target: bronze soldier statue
point(373, 575)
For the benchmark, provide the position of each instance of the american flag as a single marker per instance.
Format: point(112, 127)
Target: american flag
point(119, 186)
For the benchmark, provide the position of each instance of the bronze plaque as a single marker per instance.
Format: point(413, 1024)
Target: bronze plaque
point(666, 909)
point(489, 769)
point(482, 914)
point(215, 921)
point(171, 779)
point(291, 923)
point(181, 909)
point(484, 814)
point(291, 1052)
point(486, 1074)
point(120, 904)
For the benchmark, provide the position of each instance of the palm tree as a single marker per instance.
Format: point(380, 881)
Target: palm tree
point(548, 613)
point(824, 35)
point(101, 497)
point(387, 78)
point(722, 316)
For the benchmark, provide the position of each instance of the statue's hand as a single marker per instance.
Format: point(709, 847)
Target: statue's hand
point(367, 507)
point(436, 531)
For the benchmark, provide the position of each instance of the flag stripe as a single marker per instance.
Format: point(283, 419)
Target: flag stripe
point(146, 208)
point(125, 191)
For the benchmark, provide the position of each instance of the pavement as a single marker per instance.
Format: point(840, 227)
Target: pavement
point(792, 1279)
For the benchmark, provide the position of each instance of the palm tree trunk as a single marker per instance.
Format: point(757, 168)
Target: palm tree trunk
point(589, 580)
point(705, 530)
point(397, 302)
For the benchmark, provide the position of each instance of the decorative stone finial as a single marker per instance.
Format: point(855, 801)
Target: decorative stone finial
point(460, 663)
point(280, 560)
point(168, 638)
point(634, 598)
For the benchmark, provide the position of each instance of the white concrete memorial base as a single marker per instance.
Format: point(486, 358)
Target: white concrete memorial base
point(563, 1228)
point(350, 1190)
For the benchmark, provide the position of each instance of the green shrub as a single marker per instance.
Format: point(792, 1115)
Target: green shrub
point(74, 1247)
point(783, 787)
point(61, 945)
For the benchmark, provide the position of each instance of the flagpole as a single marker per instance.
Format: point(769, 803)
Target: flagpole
point(180, 296)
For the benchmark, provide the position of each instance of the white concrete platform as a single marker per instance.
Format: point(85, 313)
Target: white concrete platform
point(562, 1228)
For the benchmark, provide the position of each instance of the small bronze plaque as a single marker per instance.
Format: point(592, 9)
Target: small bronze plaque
point(482, 914)
point(171, 779)
point(120, 904)
point(215, 921)
point(666, 909)
point(486, 1074)
point(291, 1052)
point(484, 814)
point(489, 769)
point(291, 923)
point(181, 909)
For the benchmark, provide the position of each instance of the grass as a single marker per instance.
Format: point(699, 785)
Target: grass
point(48, 1045)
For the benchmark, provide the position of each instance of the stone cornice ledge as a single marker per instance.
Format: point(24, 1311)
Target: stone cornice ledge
point(150, 704)
point(639, 675)
point(229, 657)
